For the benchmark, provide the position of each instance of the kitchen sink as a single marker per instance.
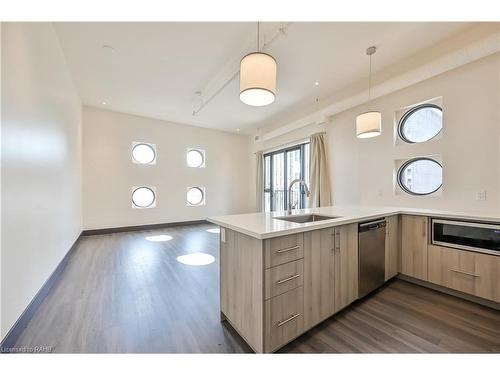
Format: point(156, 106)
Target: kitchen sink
point(306, 218)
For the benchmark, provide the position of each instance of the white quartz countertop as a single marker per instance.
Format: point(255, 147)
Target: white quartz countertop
point(263, 225)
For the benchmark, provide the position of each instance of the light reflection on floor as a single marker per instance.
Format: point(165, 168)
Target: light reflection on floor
point(214, 230)
point(196, 259)
point(159, 238)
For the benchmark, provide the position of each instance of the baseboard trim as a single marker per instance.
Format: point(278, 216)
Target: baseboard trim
point(22, 322)
point(93, 232)
point(455, 293)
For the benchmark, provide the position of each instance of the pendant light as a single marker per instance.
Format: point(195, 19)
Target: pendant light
point(369, 124)
point(258, 77)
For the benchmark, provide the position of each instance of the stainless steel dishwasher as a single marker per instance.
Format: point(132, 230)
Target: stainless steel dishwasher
point(371, 256)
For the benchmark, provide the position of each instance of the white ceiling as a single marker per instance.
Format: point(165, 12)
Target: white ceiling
point(155, 69)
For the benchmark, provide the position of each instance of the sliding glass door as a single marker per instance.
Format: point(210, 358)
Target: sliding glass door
point(280, 169)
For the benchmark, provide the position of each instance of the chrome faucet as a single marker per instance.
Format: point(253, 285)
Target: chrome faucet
point(303, 183)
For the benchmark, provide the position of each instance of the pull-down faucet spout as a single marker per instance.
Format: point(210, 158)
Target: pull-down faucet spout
point(303, 183)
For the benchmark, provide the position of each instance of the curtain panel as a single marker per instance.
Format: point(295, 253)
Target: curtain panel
point(319, 178)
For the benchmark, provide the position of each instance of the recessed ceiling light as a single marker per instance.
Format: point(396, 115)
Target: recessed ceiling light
point(104, 103)
point(316, 83)
point(238, 129)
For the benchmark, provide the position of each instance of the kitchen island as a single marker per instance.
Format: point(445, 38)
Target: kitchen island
point(283, 274)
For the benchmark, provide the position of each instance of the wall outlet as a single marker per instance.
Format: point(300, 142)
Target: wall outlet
point(481, 195)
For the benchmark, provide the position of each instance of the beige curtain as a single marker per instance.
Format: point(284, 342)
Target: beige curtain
point(259, 188)
point(319, 173)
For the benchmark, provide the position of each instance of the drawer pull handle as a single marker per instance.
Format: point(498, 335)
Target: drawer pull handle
point(287, 249)
point(466, 273)
point(280, 323)
point(288, 279)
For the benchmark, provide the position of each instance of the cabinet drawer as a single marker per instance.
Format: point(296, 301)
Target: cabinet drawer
point(284, 249)
point(469, 272)
point(284, 318)
point(281, 279)
point(452, 268)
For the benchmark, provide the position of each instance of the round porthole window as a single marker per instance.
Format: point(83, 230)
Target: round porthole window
point(143, 153)
point(195, 196)
point(195, 158)
point(143, 197)
point(420, 176)
point(421, 123)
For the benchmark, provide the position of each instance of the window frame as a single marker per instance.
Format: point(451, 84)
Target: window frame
point(301, 148)
point(203, 157)
point(151, 188)
point(408, 114)
point(150, 145)
point(413, 160)
point(203, 196)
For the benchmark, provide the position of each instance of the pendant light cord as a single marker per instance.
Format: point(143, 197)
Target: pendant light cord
point(370, 51)
point(370, 80)
point(258, 36)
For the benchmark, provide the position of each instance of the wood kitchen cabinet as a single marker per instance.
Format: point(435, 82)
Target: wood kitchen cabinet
point(242, 286)
point(467, 271)
point(284, 318)
point(330, 271)
point(414, 239)
point(346, 265)
point(392, 247)
point(319, 280)
point(274, 289)
point(262, 292)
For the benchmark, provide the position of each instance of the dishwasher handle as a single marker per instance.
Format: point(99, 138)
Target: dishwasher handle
point(372, 225)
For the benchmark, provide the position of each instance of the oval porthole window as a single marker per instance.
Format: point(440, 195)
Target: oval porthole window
point(195, 196)
point(195, 158)
point(143, 197)
point(420, 176)
point(421, 123)
point(143, 153)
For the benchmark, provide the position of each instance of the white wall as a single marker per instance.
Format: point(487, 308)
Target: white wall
point(362, 170)
point(109, 174)
point(41, 163)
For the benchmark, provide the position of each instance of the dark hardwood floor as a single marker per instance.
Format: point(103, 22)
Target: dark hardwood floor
point(123, 293)
point(405, 318)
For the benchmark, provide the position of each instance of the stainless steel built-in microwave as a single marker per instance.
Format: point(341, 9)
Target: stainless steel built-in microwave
point(481, 237)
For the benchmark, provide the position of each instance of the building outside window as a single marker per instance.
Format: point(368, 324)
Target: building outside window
point(280, 168)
